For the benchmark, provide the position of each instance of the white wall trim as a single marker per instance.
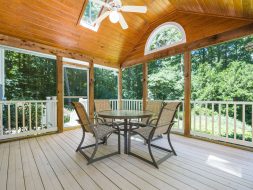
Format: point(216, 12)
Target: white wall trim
point(69, 60)
point(28, 52)
point(157, 30)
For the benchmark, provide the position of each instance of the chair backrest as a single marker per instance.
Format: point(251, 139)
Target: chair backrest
point(166, 116)
point(101, 105)
point(82, 115)
point(153, 106)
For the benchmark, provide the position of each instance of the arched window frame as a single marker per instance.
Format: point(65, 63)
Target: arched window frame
point(157, 30)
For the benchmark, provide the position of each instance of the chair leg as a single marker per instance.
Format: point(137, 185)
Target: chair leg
point(119, 151)
point(174, 152)
point(105, 140)
point(94, 152)
point(151, 155)
point(79, 146)
point(129, 142)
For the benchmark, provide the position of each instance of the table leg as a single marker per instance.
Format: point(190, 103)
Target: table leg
point(125, 136)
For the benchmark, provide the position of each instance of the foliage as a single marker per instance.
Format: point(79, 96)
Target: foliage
point(167, 36)
point(106, 84)
point(166, 79)
point(132, 83)
point(91, 12)
point(29, 77)
point(75, 82)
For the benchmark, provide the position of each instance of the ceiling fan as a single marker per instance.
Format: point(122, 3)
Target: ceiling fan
point(114, 9)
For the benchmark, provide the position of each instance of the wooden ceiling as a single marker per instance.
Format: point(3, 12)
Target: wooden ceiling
point(55, 23)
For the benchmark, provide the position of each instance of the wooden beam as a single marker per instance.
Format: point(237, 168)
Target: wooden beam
point(187, 93)
point(144, 85)
point(41, 48)
point(120, 89)
point(91, 91)
point(208, 41)
point(60, 102)
point(82, 12)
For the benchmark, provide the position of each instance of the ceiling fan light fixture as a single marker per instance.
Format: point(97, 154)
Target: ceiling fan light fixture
point(114, 17)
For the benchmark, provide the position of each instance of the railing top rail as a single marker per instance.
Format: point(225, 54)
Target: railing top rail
point(221, 102)
point(75, 97)
point(27, 101)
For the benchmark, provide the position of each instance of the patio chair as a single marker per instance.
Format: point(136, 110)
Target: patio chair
point(157, 126)
point(100, 132)
point(153, 106)
point(102, 105)
point(105, 105)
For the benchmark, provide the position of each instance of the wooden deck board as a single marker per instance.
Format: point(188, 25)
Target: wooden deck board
point(50, 162)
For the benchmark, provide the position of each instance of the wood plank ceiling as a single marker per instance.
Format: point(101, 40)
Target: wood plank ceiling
point(55, 23)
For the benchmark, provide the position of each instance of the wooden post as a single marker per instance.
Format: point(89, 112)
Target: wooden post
point(91, 91)
point(120, 89)
point(187, 93)
point(60, 101)
point(144, 85)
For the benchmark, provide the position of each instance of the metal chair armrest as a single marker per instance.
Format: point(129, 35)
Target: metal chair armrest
point(152, 121)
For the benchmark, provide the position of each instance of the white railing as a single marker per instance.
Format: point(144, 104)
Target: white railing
point(127, 104)
point(22, 118)
point(131, 104)
point(227, 121)
point(114, 104)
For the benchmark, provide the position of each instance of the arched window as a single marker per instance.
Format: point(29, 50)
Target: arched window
point(166, 35)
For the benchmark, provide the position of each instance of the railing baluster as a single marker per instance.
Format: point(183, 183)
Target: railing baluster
point(36, 116)
point(219, 119)
point(41, 115)
point(183, 117)
point(23, 115)
point(206, 117)
point(213, 118)
point(30, 117)
point(16, 117)
point(200, 118)
point(252, 123)
point(235, 116)
point(194, 117)
point(227, 121)
point(178, 118)
point(1, 119)
point(243, 122)
point(9, 118)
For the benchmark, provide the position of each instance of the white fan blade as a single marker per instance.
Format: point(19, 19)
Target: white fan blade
point(102, 3)
point(102, 17)
point(136, 9)
point(122, 21)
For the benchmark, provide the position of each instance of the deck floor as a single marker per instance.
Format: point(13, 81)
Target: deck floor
point(50, 162)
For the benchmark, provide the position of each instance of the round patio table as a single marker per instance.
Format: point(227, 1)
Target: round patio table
point(125, 115)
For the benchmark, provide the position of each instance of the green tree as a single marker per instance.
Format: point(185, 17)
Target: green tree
point(106, 85)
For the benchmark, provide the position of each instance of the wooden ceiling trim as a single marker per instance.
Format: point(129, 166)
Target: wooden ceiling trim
point(212, 40)
point(85, 3)
point(215, 15)
point(34, 46)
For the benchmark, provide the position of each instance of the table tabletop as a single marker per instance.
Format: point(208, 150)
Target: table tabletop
point(124, 114)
